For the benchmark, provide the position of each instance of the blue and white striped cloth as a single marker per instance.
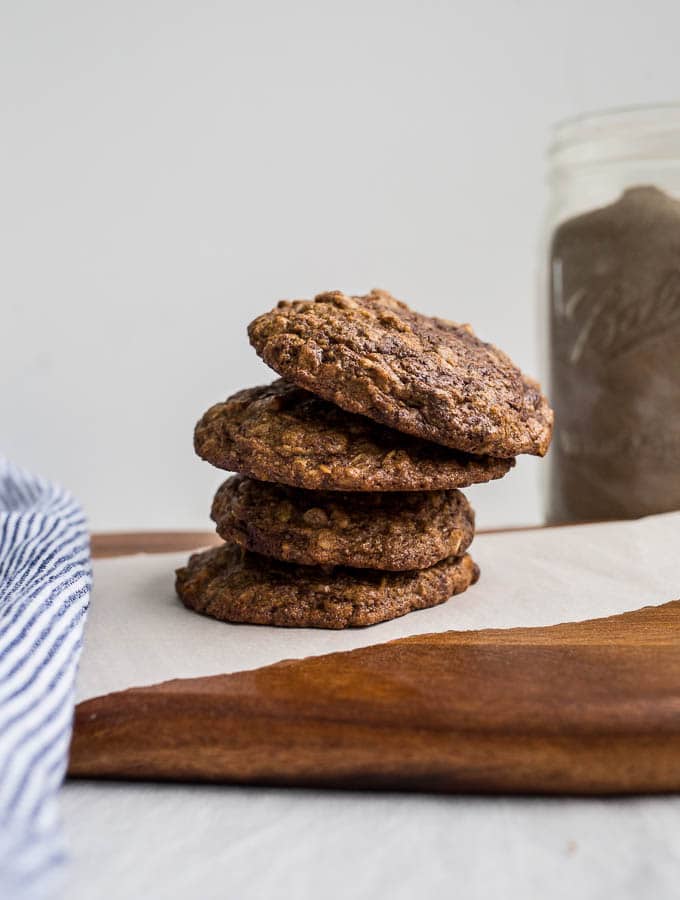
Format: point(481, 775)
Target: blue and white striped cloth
point(45, 581)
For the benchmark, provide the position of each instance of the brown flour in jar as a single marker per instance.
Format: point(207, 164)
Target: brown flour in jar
point(615, 360)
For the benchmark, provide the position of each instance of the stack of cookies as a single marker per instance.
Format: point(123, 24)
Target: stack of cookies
point(346, 509)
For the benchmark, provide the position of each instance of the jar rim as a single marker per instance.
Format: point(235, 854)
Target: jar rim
point(649, 131)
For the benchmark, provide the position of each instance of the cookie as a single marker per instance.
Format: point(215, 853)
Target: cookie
point(284, 434)
point(425, 376)
point(234, 585)
point(393, 531)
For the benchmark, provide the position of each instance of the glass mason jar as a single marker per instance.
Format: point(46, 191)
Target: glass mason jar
point(612, 330)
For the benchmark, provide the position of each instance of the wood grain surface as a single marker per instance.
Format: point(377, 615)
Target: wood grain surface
point(125, 543)
point(584, 708)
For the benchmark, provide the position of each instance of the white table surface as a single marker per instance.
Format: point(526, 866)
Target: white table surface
point(267, 844)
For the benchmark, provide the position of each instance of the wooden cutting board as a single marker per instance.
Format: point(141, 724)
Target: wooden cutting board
point(585, 708)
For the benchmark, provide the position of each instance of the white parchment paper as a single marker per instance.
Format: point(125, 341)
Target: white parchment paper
point(175, 841)
point(138, 632)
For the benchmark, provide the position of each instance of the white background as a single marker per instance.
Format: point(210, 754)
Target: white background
point(171, 169)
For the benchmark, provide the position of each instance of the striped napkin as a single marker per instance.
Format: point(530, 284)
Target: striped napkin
point(45, 581)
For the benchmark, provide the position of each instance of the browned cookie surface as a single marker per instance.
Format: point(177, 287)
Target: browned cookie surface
point(393, 531)
point(234, 585)
point(285, 434)
point(425, 376)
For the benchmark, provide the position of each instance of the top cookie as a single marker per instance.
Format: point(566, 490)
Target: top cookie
point(284, 434)
point(425, 376)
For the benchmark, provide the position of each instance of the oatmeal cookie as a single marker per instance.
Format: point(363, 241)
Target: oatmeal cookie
point(425, 376)
point(234, 585)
